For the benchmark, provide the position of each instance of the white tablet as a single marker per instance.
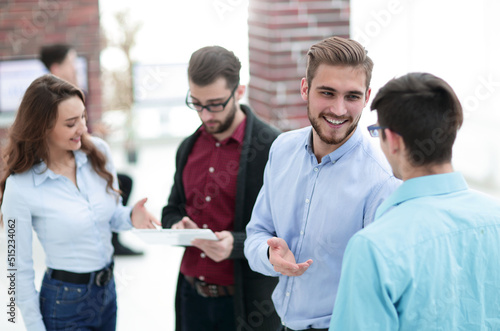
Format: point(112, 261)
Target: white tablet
point(173, 237)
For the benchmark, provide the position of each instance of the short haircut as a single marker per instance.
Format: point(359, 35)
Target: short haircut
point(338, 51)
point(212, 62)
point(425, 111)
point(55, 53)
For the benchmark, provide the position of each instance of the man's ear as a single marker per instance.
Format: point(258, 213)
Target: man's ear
point(304, 89)
point(240, 92)
point(54, 69)
point(367, 96)
point(394, 141)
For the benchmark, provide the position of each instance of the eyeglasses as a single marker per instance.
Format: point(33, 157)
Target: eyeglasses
point(213, 108)
point(373, 129)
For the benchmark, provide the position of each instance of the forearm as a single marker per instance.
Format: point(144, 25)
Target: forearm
point(175, 209)
point(238, 245)
point(171, 215)
point(20, 273)
point(121, 219)
point(256, 251)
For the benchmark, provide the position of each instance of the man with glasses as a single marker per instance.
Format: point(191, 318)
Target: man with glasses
point(322, 184)
point(430, 260)
point(219, 174)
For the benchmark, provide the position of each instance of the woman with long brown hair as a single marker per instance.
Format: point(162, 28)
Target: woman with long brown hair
point(61, 182)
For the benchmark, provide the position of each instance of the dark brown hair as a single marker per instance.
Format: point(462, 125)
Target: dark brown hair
point(338, 51)
point(212, 62)
point(425, 111)
point(35, 118)
point(55, 53)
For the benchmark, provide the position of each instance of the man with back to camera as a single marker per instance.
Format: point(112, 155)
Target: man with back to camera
point(429, 262)
point(321, 185)
point(218, 177)
point(60, 60)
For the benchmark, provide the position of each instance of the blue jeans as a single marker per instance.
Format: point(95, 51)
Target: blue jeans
point(67, 306)
point(205, 314)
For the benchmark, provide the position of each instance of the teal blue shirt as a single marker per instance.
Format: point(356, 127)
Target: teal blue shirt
point(430, 261)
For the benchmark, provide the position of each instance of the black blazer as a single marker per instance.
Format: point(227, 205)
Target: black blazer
point(252, 300)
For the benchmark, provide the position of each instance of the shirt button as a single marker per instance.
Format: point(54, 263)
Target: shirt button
point(208, 198)
point(202, 255)
point(333, 162)
point(202, 278)
point(307, 200)
point(211, 169)
point(217, 144)
point(301, 232)
point(205, 226)
point(287, 294)
point(316, 169)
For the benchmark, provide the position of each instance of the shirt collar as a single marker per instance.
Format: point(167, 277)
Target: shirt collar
point(41, 172)
point(237, 136)
point(334, 156)
point(421, 187)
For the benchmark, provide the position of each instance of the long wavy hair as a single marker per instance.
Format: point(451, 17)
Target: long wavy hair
point(36, 117)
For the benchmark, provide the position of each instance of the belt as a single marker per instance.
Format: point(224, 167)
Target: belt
point(209, 290)
point(102, 277)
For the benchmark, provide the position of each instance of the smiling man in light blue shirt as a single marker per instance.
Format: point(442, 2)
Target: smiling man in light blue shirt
point(321, 185)
point(430, 260)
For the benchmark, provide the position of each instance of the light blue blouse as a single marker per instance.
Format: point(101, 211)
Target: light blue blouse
point(73, 224)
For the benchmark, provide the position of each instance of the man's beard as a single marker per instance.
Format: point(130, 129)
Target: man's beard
point(315, 122)
point(226, 124)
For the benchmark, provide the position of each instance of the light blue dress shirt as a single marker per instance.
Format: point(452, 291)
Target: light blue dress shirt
point(73, 224)
point(315, 208)
point(430, 261)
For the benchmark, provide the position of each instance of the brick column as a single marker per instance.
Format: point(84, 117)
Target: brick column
point(26, 25)
point(280, 34)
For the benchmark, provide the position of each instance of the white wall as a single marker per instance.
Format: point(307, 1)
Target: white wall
point(456, 40)
point(453, 39)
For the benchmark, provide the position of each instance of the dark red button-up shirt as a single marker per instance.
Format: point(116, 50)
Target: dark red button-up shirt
point(209, 179)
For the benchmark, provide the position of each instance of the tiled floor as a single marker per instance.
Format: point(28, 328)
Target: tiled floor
point(145, 284)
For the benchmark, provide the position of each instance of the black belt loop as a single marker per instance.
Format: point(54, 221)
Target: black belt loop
point(102, 277)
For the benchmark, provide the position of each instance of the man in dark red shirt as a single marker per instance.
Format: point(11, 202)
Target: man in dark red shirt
point(219, 174)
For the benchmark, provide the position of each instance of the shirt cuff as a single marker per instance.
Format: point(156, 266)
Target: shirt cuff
point(121, 219)
point(263, 254)
point(34, 324)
